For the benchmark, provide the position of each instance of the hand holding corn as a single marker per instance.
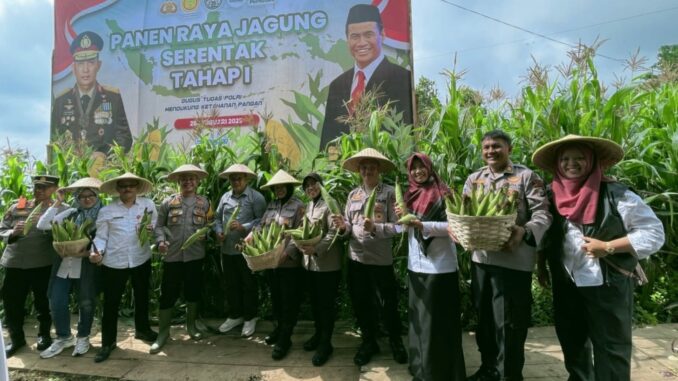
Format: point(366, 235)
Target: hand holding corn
point(18, 229)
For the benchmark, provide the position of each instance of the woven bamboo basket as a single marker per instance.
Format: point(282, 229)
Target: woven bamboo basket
point(72, 248)
point(268, 260)
point(308, 242)
point(481, 233)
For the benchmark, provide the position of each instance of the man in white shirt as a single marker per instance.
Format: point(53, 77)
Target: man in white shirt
point(118, 248)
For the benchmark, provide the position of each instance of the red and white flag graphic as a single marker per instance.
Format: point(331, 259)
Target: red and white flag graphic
point(66, 12)
point(395, 16)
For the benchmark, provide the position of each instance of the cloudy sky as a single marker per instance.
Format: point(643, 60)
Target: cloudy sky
point(493, 53)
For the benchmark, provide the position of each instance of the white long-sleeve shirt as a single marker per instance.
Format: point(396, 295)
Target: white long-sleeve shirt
point(70, 267)
point(441, 254)
point(644, 231)
point(117, 235)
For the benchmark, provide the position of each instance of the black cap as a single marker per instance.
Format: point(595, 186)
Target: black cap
point(364, 13)
point(45, 180)
point(86, 46)
point(311, 176)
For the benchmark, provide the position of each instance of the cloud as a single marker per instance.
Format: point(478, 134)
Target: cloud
point(25, 58)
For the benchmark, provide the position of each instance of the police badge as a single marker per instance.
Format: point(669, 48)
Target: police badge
point(213, 4)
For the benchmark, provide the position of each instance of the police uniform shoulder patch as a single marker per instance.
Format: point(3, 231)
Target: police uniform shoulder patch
point(175, 200)
point(21, 203)
point(111, 89)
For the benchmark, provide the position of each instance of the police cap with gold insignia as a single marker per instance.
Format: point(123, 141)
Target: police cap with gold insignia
point(45, 179)
point(86, 46)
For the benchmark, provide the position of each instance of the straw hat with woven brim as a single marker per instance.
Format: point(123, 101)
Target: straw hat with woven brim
point(187, 169)
point(237, 168)
point(109, 186)
point(353, 163)
point(608, 152)
point(281, 177)
point(85, 182)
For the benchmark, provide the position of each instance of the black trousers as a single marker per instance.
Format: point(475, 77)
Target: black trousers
point(503, 299)
point(593, 325)
point(286, 285)
point(324, 289)
point(114, 282)
point(366, 281)
point(15, 288)
point(435, 328)
point(242, 293)
point(177, 276)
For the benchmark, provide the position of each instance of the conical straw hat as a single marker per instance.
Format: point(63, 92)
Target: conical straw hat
point(85, 182)
point(187, 169)
point(608, 152)
point(237, 168)
point(281, 177)
point(353, 163)
point(109, 186)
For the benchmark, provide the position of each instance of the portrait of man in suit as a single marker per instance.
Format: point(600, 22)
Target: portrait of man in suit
point(371, 70)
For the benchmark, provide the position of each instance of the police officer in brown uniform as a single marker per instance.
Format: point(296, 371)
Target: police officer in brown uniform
point(90, 111)
point(285, 281)
point(27, 260)
point(501, 281)
point(370, 268)
point(179, 216)
point(323, 264)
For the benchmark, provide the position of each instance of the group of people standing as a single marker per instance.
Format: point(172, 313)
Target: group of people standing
point(589, 229)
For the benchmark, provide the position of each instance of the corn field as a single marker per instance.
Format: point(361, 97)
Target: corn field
point(641, 116)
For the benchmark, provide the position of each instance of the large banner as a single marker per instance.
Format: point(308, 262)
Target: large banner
point(290, 67)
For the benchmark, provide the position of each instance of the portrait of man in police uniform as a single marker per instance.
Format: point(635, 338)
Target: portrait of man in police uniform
point(89, 111)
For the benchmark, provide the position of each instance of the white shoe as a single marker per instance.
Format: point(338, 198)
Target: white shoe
point(57, 347)
point(249, 327)
point(229, 324)
point(81, 346)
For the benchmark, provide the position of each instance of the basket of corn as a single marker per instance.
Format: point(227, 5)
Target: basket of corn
point(266, 248)
point(309, 234)
point(70, 240)
point(482, 220)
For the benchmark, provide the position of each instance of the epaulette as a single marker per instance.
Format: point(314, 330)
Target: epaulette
point(61, 94)
point(111, 89)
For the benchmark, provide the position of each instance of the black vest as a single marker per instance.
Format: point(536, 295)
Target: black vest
point(607, 227)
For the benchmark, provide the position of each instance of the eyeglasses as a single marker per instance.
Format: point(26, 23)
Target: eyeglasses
point(85, 197)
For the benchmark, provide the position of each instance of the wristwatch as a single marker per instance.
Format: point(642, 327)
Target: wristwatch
point(608, 248)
